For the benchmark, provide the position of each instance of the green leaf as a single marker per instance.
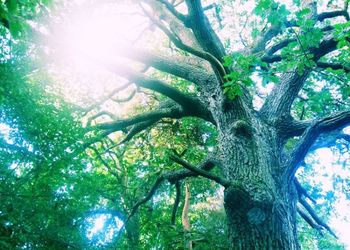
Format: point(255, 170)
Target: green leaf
point(11, 6)
point(228, 84)
point(228, 60)
point(345, 92)
point(15, 28)
point(274, 79)
point(303, 12)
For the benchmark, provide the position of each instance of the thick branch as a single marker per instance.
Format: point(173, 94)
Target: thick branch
point(261, 42)
point(334, 66)
point(279, 102)
point(330, 139)
point(174, 65)
point(139, 123)
point(191, 104)
point(143, 121)
point(152, 84)
point(289, 127)
point(200, 171)
point(325, 15)
point(271, 58)
point(177, 26)
point(327, 124)
point(325, 47)
point(203, 31)
point(169, 112)
point(283, 95)
point(177, 175)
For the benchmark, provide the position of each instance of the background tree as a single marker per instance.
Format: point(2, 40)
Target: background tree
point(206, 117)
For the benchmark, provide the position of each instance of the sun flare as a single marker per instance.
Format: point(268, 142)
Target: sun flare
point(100, 30)
point(91, 34)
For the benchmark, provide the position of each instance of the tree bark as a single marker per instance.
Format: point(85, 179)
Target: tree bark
point(260, 203)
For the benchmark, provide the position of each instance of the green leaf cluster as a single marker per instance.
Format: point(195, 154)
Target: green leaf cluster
point(241, 68)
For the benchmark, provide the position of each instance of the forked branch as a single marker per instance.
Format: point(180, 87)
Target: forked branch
point(319, 126)
point(215, 62)
point(203, 30)
point(172, 177)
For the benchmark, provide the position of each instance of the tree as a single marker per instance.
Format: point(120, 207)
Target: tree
point(258, 150)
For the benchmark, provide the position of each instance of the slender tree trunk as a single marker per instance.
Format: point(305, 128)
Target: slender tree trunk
point(133, 233)
point(260, 204)
point(184, 217)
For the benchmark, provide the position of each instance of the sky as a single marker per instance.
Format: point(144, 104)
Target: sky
point(326, 167)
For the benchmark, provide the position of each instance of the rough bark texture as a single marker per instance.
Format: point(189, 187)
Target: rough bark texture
point(260, 205)
point(259, 202)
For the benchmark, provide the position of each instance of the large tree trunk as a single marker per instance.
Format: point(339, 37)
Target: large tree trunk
point(260, 204)
point(256, 227)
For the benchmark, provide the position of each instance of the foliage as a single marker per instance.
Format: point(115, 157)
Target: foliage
point(59, 176)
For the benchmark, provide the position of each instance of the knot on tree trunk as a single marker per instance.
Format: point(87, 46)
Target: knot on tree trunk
point(256, 216)
point(252, 201)
point(241, 128)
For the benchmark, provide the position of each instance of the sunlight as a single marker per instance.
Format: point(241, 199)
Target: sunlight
point(102, 228)
point(326, 168)
point(5, 133)
point(100, 31)
point(98, 224)
point(88, 36)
